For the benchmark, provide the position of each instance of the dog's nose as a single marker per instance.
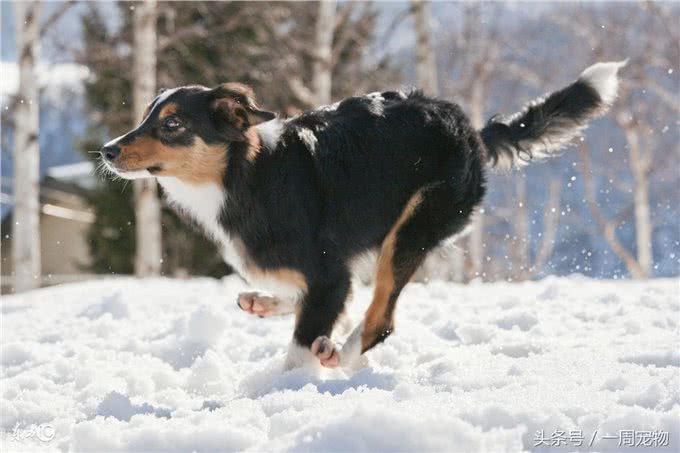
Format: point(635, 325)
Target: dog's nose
point(110, 152)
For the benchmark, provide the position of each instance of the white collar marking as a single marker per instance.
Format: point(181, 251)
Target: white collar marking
point(204, 203)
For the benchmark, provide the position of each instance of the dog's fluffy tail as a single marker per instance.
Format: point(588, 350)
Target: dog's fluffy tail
point(547, 124)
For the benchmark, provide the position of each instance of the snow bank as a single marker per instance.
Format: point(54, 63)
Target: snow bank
point(164, 365)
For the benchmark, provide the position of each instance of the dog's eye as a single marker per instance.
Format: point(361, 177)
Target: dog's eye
point(172, 124)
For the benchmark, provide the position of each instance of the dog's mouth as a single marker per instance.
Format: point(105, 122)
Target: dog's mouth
point(131, 173)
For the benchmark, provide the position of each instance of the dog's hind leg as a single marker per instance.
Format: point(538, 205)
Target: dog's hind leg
point(431, 215)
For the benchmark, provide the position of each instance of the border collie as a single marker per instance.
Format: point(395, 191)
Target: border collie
point(290, 202)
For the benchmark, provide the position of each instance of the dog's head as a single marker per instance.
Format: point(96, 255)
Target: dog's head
point(186, 133)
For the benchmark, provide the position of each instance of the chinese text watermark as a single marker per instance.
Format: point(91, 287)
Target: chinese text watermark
point(625, 438)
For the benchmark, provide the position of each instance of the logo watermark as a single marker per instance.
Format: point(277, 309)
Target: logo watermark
point(625, 438)
point(43, 432)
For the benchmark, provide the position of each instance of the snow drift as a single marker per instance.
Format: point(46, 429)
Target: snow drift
point(164, 365)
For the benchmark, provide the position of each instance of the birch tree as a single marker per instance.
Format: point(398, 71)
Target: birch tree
point(521, 242)
point(26, 228)
point(320, 53)
point(147, 205)
point(426, 62)
point(322, 67)
point(482, 57)
point(640, 119)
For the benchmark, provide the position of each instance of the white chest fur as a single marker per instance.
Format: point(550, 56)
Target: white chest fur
point(204, 203)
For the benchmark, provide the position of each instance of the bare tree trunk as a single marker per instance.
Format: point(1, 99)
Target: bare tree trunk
point(608, 227)
point(521, 229)
point(426, 63)
point(322, 69)
point(26, 228)
point(551, 219)
point(643, 223)
point(147, 206)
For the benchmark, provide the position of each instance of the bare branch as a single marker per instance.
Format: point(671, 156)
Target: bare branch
point(394, 24)
point(551, 219)
point(526, 75)
point(200, 31)
point(668, 20)
point(303, 94)
point(55, 16)
point(607, 227)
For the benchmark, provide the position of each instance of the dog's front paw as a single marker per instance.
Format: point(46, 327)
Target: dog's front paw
point(325, 350)
point(262, 304)
point(256, 303)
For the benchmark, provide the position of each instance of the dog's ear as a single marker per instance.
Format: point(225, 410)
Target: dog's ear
point(236, 111)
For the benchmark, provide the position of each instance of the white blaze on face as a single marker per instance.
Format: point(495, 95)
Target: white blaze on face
point(114, 141)
point(164, 96)
point(138, 174)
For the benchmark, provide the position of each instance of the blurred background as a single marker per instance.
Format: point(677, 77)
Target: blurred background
point(75, 74)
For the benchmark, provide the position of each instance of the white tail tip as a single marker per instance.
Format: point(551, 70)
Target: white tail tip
point(603, 78)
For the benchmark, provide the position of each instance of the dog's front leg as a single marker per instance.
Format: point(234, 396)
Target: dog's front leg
point(320, 309)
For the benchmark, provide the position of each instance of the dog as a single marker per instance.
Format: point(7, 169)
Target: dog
point(291, 202)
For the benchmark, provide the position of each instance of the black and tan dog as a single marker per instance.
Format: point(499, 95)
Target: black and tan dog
point(291, 202)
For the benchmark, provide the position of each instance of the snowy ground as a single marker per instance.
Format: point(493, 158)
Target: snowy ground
point(128, 365)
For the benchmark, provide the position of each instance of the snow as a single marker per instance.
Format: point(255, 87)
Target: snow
point(169, 365)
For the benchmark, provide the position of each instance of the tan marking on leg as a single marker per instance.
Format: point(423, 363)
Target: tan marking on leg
point(375, 321)
point(283, 274)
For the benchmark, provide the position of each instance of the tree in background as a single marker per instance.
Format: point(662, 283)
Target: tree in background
point(112, 238)
point(646, 106)
point(322, 69)
point(291, 40)
point(426, 61)
point(148, 255)
point(550, 218)
point(26, 228)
